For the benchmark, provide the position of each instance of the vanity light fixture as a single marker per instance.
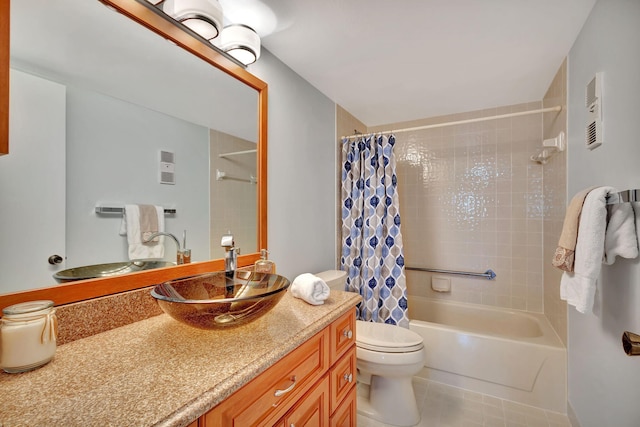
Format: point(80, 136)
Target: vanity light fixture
point(241, 42)
point(202, 16)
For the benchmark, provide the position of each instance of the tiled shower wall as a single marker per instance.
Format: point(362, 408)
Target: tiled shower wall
point(555, 202)
point(472, 200)
point(238, 211)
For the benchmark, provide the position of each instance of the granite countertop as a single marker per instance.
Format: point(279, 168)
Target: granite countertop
point(158, 371)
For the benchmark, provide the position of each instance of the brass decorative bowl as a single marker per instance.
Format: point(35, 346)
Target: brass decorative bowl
point(215, 301)
point(107, 270)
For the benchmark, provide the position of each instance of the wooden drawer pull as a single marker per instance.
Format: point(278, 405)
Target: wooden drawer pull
point(348, 377)
point(279, 393)
point(348, 333)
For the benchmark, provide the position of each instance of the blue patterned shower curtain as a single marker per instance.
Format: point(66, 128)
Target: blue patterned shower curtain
point(371, 240)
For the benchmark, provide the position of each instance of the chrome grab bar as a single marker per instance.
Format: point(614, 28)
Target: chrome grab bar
point(489, 274)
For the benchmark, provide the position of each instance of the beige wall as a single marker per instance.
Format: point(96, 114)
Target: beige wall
point(555, 202)
point(238, 212)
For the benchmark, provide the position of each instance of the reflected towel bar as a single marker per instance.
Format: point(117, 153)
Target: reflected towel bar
point(220, 175)
point(623, 197)
point(489, 274)
point(108, 210)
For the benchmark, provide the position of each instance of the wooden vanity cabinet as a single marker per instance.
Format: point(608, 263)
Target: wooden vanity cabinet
point(345, 414)
point(314, 385)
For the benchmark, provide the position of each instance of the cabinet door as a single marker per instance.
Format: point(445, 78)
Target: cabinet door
point(342, 378)
point(343, 335)
point(313, 409)
point(346, 415)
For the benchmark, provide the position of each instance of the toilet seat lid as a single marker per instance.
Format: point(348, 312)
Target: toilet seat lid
point(386, 338)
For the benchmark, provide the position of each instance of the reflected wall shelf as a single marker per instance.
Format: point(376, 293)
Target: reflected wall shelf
point(237, 153)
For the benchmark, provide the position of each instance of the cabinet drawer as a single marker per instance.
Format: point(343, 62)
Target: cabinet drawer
point(343, 335)
point(268, 397)
point(346, 415)
point(342, 378)
point(313, 408)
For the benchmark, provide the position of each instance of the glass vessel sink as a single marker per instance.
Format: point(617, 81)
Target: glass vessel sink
point(106, 270)
point(213, 301)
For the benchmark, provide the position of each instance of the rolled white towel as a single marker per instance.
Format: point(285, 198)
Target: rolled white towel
point(310, 288)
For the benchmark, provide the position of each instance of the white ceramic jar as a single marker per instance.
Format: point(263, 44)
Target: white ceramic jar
point(28, 333)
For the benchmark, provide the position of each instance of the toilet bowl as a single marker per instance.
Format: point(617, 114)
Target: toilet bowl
point(389, 355)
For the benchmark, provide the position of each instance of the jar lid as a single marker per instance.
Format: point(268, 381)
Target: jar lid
point(27, 307)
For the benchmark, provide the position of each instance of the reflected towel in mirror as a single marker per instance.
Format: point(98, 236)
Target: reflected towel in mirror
point(132, 226)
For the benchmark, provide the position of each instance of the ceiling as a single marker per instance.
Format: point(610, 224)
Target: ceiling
point(390, 61)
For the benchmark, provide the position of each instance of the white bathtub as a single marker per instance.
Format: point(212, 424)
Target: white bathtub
point(504, 353)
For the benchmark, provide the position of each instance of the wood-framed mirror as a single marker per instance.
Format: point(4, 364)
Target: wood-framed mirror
point(93, 288)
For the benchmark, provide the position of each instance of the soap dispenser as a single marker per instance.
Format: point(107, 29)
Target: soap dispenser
point(264, 265)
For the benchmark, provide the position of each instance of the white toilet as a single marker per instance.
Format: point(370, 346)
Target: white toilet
point(390, 356)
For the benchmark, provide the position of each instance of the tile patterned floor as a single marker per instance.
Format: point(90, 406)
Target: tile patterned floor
point(445, 406)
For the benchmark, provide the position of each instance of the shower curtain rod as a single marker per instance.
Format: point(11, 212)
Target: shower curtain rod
point(461, 122)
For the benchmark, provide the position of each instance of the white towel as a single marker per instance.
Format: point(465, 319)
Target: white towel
point(598, 243)
point(310, 288)
point(620, 238)
point(131, 228)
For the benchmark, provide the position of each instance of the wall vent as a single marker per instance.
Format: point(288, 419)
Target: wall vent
point(593, 102)
point(167, 156)
point(167, 167)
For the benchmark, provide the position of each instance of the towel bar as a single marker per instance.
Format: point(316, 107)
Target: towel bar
point(109, 210)
point(489, 274)
point(624, 197)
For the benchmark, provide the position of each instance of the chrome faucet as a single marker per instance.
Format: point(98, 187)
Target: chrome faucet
point(230, 255)
point(182, 254)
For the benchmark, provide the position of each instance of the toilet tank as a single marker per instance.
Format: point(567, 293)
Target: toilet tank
point(335, 279)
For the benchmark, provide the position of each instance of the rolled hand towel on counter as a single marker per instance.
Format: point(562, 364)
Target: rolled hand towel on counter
point(310, 288)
